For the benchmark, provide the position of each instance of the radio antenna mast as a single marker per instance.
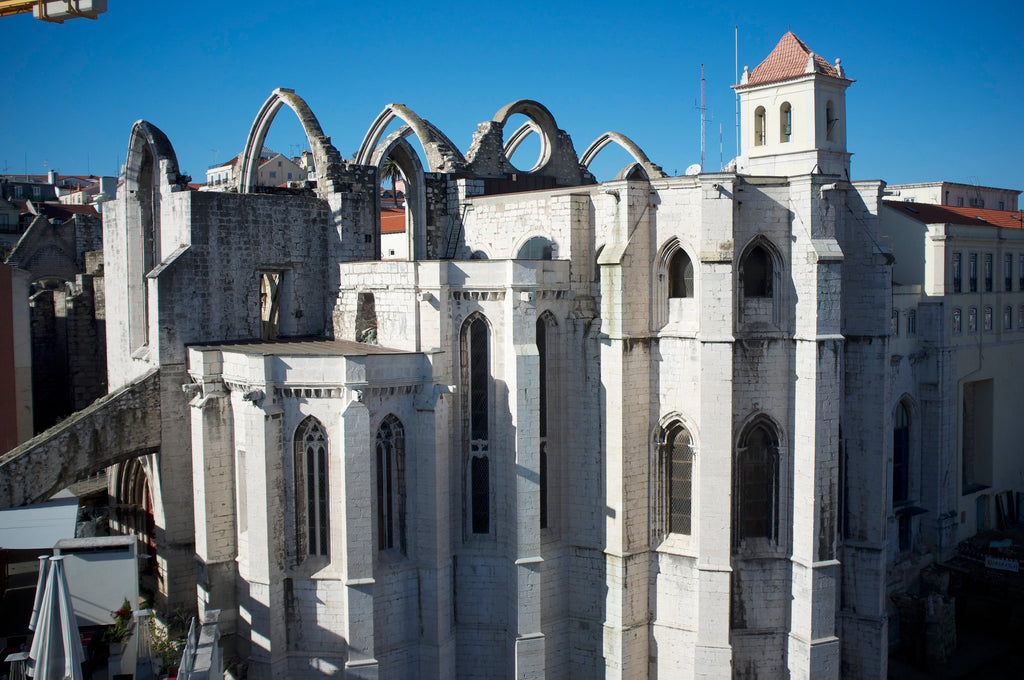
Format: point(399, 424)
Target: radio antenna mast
point(702, 118)
point(736, 40)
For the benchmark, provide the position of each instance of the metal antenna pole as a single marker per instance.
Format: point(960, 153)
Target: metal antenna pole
point(736, 40)
point(702, 121)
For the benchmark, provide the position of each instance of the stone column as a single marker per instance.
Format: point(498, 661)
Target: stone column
point(713, 492)
point(523, 387)
point(816, 262)
point(213, 482)
point(432, 536)
point(626, 372)
point(358, 522)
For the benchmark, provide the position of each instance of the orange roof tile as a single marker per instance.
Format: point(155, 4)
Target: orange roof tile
point(392, 221)
point(947, 214)
point(788, 60)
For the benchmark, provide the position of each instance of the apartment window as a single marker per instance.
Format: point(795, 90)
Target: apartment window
point(894, 322)
point(972, 320)
point(311, 485)
point(988, 272)
point(1020, 272)
point(1020, 317)
point(956, 321)
point(273, 175)
point(1007, 272)
point(912, 322)
point(959, 201)
point(36, 192)
point(289, 175)
point(976, 436)
point(1002, 206)
point(973, 272)
point(957, 275)
point(19, 192)
point(1008, 318)
point(987, 319)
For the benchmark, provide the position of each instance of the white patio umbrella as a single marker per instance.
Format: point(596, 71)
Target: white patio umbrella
point(56, 652)
point(44, 566)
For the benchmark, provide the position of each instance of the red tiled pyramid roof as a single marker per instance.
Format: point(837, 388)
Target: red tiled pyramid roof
point(788, 60)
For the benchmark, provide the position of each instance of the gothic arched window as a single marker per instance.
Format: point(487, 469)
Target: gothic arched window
point(391, 530)
point(756, 484)
point(677, 459)
point(311, 488)
point(680, 275)
point(901, 454)
point(476, 378)
point(758, 273)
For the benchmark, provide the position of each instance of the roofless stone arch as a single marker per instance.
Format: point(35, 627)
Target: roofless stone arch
point(325, 156)
point(519, 136)
point(652, 170)
point(442, 155)
point(489, 155)
point(149, 143)
point(150, 172)
point(401, 152)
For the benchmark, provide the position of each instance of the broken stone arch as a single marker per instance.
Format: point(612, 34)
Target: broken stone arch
point(441, 154)
point(540, 122)
point(401, 152)
point(519, 136)
point(325, 157)
point(151, 168)
point(650, 170)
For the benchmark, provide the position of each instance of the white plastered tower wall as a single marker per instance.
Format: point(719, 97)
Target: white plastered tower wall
point(793, 114)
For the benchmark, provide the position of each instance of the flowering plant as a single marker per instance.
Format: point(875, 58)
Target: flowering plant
point(121, 629)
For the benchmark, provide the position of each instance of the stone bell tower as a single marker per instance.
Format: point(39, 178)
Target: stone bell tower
point(793, 108)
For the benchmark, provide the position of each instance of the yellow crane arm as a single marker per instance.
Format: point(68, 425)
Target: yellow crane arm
point(56, 12)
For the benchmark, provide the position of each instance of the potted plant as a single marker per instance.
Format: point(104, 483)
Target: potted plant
point(122, 628)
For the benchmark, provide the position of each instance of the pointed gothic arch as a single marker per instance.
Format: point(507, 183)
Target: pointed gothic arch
point(150, 170)
point(759, 282)
point(325, 157)
point(442, 155)
point(396, 146)
point(758, 484)
point(649, 168)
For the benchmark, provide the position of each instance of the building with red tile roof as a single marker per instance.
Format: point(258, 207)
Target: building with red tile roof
point(790, 59)
point(793, 108)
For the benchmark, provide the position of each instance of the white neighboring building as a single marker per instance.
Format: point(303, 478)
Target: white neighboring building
point(958, 380)
point(954, 194)
point(274, 170)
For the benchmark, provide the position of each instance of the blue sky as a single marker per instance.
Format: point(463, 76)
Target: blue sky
point(939, 91)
